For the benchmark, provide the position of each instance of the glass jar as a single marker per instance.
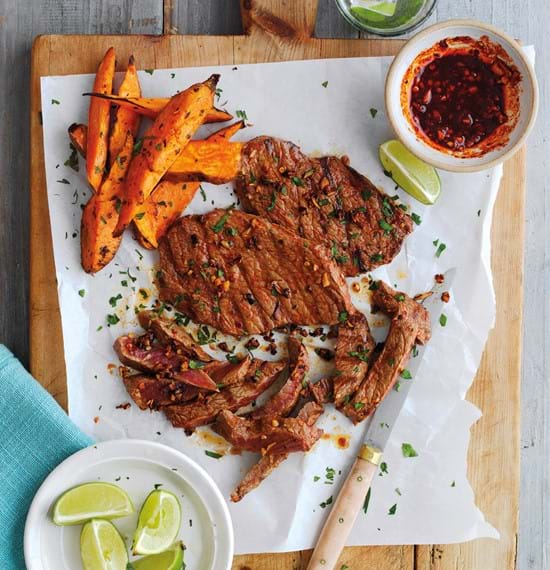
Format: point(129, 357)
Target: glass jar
point(408, 15)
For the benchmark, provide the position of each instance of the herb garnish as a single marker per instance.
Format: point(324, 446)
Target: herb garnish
point(219, 225)
point(416, 219)
point(212, 454)
point(324, 84)
point(196, 364)
point(203, 193)
point(329, 475)
point(242, 115)
point(442, 247)
point(406, 374)
point(342, 316)
point(273, 201)
point(56, 102)
point(392, 510)
point(384, 467)
point(408, 450)
point(149, 71)
point(385, 226)
point(360, 354)
point(443, 319)
point(326, 503)
point(82, 292)
point(114, 300)
point(72, 161)
point(366, 501)
point(373, 112)
point(112, 320)
point(297, 181)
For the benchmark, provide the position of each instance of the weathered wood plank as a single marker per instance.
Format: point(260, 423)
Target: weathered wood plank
point(216, 17)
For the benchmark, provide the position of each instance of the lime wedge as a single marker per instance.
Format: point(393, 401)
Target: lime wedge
point(89, 501)
point(158, 523)
point(418, 179)
point(102, 547)
point(171, 559)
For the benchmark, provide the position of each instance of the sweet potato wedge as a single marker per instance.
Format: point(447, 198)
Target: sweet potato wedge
point(171, 197)
point(208, 161)
point(78, 135)
point(98, 245)
point(163, 142)
point(126, 121)
point(151, 106)
point(98, 121)
point(162, 209)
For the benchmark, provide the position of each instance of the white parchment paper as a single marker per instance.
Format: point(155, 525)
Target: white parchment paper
point(326, 106)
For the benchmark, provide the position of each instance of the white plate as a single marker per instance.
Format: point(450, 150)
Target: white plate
point(137, 466)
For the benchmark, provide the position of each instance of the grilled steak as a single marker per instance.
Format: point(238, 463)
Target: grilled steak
point(259, 378)
point(281, 403)
point(141, 354)
point(322, 391)
point(153, 393)
point(268, 436)
point(324, 201)
point(259, 471)
point(244, 275)
point(170, 333)
point(353, 350)
point(410, 324)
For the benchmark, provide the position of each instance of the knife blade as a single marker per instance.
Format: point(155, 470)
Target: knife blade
point(352, 494)
point(384, 418)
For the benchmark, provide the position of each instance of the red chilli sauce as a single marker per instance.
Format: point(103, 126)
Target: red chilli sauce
point(462, 96)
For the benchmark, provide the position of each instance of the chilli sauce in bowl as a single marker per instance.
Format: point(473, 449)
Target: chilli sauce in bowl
point(461, 96)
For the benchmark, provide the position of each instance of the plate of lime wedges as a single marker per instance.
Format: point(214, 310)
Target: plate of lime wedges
point(128, 505)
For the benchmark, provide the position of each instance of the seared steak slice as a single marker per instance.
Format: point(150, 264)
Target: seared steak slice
point(233, 397)
point(153, 393)
point(410, 324)
point(259, 471)
point(168, 332)
point(141, 354)
point(228, 373)
point(324, 201)
point(322, 391)
point(354, 347)
point(281, 403)
point(268, 436)
point(244, 275)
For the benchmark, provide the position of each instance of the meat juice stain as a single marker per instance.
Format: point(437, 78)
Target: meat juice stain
point(339, 440)
point(212, 441)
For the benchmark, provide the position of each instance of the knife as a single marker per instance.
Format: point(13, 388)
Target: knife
point(352, 494)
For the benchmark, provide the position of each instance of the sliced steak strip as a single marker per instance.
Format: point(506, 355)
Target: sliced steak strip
point(309, 413)
point(268, 436)
point(281, 403)
point(322, 391)
point(410, 324)
point(354, 347)
point(228, 373)
point(322, 200)
point(168, 332)
point(153, 393)
point(233, 397)
point(243, 275)
point(139, 353)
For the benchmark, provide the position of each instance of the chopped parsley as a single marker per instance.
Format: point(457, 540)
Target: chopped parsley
point(443, 319)
point(342, 316)
point(399, 297)
point(377, 257)
point(366, 501)
point(416, 219)
point(387, 210)
point(114, 300)
point(272, 203)
point(219, 225)
point(297, 181)
point(442, 247)
point(63, 181)
point(408, 450)
point(366, 194)
point(56, 102)
point(196, 364)
point(393, 510)
point(72, 161)
point(316, 478)
point(212, 454)
point(242, 115)
point(324, 84)
point(358, 405)
point(329, 475)
point(406, 374)
point(326, 503)
point(373, 112)
point(360, 354)
point(203, 193)
point(149, 71)
point(384, 467)
point(385, 226)
point(112, 320)
point(82, 292)
point(219, 92)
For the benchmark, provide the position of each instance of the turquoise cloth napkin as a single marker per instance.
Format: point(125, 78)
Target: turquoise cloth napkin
point(35, 436)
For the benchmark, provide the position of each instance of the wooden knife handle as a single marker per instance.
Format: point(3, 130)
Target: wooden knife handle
point(343, 514)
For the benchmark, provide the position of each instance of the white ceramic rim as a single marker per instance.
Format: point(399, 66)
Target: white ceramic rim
point(193, 474)
point(417, 149)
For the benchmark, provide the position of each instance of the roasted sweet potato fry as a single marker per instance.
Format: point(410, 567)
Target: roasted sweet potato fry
point(151, 106)
point(98, 121)
point(126, 121)
point(98, 245)
point(170, 198)
point(78, 134)
point(215, 162)
point(163, 142)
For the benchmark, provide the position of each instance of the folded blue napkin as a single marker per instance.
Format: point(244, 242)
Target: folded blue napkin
point(35, 436)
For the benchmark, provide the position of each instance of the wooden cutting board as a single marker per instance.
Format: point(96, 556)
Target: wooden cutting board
point(279, 30)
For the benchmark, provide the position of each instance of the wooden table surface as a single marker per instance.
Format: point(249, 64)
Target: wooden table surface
point(22, 20)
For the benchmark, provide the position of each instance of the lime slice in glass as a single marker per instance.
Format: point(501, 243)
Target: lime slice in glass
point(158, 523)
point(102, 547)
point(385, 8)
point(418, 179)
point(171, 559)
point(89, 501)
